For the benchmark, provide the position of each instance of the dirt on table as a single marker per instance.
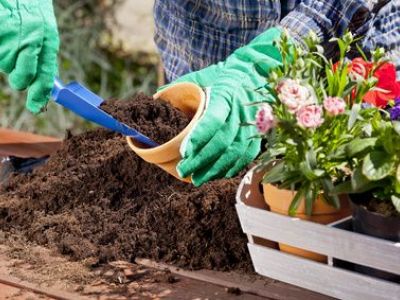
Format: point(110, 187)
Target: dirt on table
point(96, 199)
point(161, 121)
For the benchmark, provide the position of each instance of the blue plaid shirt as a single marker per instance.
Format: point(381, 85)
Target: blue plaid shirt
point(192, 34)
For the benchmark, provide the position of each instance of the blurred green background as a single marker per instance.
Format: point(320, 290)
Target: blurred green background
point(90, 55)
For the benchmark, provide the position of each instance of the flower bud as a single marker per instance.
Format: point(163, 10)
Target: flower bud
point(313, 36)
point(273, 76)
point(348, 38)
point(265, 119)
point(300, 63)
point(320, 49)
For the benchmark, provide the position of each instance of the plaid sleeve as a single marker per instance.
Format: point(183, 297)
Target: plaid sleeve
point(327, 18)
point(383, 31)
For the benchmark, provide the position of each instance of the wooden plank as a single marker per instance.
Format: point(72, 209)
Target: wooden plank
point(8, 136)
point(14, 282)
point(25, 144)
point(267, 287)
point(345, 245)
point(318, 277)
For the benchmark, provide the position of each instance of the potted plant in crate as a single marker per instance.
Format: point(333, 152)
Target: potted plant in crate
point(374, 161)
point(312, 109)
point(375, 181)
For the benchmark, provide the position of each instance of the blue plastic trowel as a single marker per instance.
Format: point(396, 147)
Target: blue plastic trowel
point(80, 100)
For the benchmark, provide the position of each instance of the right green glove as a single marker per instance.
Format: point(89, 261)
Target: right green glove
point(219, 146)
point(29, 45)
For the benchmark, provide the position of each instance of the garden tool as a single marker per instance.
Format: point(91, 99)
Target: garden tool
point(86, 104)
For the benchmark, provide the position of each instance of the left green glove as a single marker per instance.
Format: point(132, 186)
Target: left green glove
point(219, 146)
point(29, 46)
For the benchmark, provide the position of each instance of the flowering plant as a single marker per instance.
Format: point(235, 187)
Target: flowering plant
point(313, 117)
point(374, 161)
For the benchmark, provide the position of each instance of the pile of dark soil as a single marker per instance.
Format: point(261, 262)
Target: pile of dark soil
point(160, 121)
point(96, 198)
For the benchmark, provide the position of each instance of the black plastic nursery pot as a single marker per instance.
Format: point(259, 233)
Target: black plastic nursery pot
point(376, 225)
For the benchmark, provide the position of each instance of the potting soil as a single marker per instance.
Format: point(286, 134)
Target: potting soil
point(385, 208)
point(157, 118)
point(96, 198)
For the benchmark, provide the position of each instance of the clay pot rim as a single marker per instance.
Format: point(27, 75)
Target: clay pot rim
point(177, 139)
point(322, 206)
point(374, 214)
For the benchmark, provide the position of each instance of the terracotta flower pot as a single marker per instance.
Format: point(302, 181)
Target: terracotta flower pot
point(190, 99)
point(279, 202)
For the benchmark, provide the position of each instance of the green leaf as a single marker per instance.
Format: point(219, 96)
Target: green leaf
point(342, 48)
point(377, 165)
point(398, 173)
point(349, 89)
point(343, 188)
point(309, 173)
point(388, 141)
point(339, 154)
point(309, 198)
point(275, 174)
point(396, 202)
point(396, 126)
point(342, 83)
point(396, 187)
point(296, 202)
point(361, 51)
point(359, 182)
point(329, 197)
point(355, 110)
point(271, 91)
point(367, 128)
point(272, 153)
point(315, 63)
point(291, 181)
point(359, 145)
point(331, 80)
point(291, 142)
point(311, 156)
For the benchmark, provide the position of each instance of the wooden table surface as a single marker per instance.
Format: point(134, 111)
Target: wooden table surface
point(25, 145)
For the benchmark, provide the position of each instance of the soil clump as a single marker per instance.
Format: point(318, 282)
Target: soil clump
point(96, 199)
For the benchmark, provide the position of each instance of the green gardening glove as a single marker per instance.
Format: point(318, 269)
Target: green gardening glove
point(28, 48)
point(219, 146)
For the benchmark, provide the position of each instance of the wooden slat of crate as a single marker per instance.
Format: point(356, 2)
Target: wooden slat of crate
point(319, 277)
point(338, 243)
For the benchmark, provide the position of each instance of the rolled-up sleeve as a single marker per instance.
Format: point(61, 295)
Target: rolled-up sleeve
point(326, 18)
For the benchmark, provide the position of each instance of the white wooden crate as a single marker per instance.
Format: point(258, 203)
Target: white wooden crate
point(265, 228)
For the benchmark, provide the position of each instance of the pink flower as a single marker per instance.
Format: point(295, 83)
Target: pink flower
point(265, 119)
point(294, 95)
point(334, 106)
point(310, 116)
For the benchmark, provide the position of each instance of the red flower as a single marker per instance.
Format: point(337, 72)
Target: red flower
point(359, 68)
point(335, 67)
point(387, 87)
